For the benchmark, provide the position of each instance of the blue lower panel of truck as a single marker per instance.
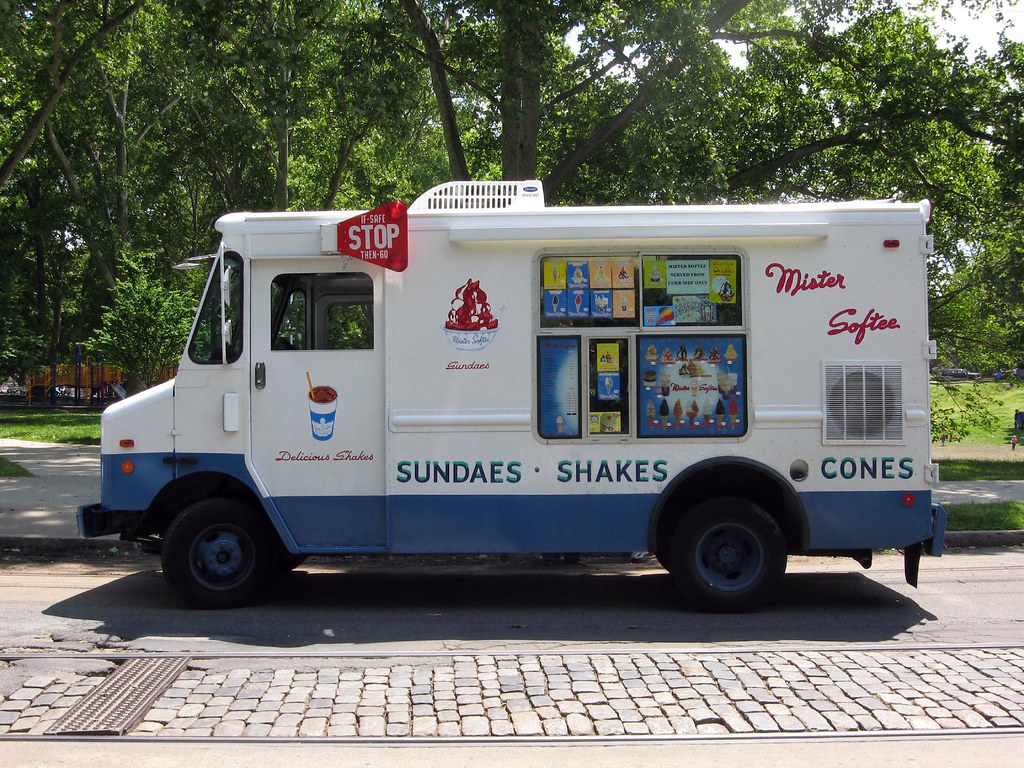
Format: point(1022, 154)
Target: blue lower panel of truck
point(584, 523)
point(599, 522)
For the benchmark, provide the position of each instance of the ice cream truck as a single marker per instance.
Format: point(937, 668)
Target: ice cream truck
point(722, 386)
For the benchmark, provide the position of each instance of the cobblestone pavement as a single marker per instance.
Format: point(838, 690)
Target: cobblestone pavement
point(552, 694)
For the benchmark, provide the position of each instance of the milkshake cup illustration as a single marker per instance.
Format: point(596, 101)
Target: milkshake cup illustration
point(323, 405)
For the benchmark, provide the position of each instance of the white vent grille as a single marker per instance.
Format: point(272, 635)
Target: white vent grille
point(482, 196)
point(863, 403)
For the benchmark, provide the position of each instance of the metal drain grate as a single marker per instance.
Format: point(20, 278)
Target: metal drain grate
point(114, 706)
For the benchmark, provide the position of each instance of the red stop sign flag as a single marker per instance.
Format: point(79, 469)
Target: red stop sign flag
point(380, 236)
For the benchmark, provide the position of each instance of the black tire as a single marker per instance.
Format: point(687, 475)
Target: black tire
point(219, 553)
point(727, 555)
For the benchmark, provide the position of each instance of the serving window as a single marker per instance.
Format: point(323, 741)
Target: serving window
point(641, 291)
point(646, 345)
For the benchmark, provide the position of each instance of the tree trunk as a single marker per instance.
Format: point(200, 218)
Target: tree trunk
point(281, 164)
point(442, 92)
point(521, 45)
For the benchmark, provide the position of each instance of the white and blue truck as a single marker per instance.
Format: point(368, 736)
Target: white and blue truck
point(723, 386)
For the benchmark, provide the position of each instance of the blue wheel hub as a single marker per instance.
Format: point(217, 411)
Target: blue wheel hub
point(730, 557)
point(221, 557)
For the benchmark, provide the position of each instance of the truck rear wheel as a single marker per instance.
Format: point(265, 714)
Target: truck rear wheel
point(727, 555)
point(218, 553)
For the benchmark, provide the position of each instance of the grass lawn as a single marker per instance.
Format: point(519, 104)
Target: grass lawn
point(998, 516)
point(10, 469)
point(1001, 399)
point(50, 425)
point(980, 469)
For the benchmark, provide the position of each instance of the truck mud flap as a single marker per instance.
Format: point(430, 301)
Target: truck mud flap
point(932, 546)
point(912, 562)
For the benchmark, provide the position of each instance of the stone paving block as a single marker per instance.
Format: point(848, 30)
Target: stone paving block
point(502, 728)
point(609, 728)
point(811, 719)
point(526, 724)
point(890, 720)
point(790, 723)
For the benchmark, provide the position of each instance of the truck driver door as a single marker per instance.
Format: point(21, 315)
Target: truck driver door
point(317, 440)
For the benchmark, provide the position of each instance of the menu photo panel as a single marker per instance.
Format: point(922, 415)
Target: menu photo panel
point(692, 386)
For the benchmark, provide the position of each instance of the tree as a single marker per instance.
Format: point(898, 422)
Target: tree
point(73, 31)
point(145, 326)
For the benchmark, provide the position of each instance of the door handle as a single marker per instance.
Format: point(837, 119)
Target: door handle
point(260, 375)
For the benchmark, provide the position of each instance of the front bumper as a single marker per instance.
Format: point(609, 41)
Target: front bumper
point(96, 520)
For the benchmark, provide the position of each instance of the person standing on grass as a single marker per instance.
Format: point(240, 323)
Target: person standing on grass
point(1013, 443)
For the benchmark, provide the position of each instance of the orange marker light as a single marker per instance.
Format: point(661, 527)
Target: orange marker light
point(127, 443)
point(127, 466)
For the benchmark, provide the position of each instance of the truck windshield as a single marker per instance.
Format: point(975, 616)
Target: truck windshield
point(218, 329)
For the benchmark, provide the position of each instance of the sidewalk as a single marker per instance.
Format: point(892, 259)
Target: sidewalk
point(67, 476)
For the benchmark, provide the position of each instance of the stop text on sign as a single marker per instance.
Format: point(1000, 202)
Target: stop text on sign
point(380, 236)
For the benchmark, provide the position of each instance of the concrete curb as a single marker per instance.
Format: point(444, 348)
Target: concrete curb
point(965, 539)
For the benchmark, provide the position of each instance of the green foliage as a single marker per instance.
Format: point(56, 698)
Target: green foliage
point(980, 413)
point(196, 107)
point(145, 328)
point(959, 409)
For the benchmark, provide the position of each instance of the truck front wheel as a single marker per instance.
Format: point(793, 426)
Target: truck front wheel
point(727, 555)
point(218, 553)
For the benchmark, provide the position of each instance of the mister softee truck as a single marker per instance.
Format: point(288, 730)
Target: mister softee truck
point(724, 387)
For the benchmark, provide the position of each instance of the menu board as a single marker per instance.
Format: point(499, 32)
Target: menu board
point(691, 386)
point(558, 384)
point(691, 290)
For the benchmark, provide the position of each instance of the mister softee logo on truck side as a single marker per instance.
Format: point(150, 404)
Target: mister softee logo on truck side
point(470, 325)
